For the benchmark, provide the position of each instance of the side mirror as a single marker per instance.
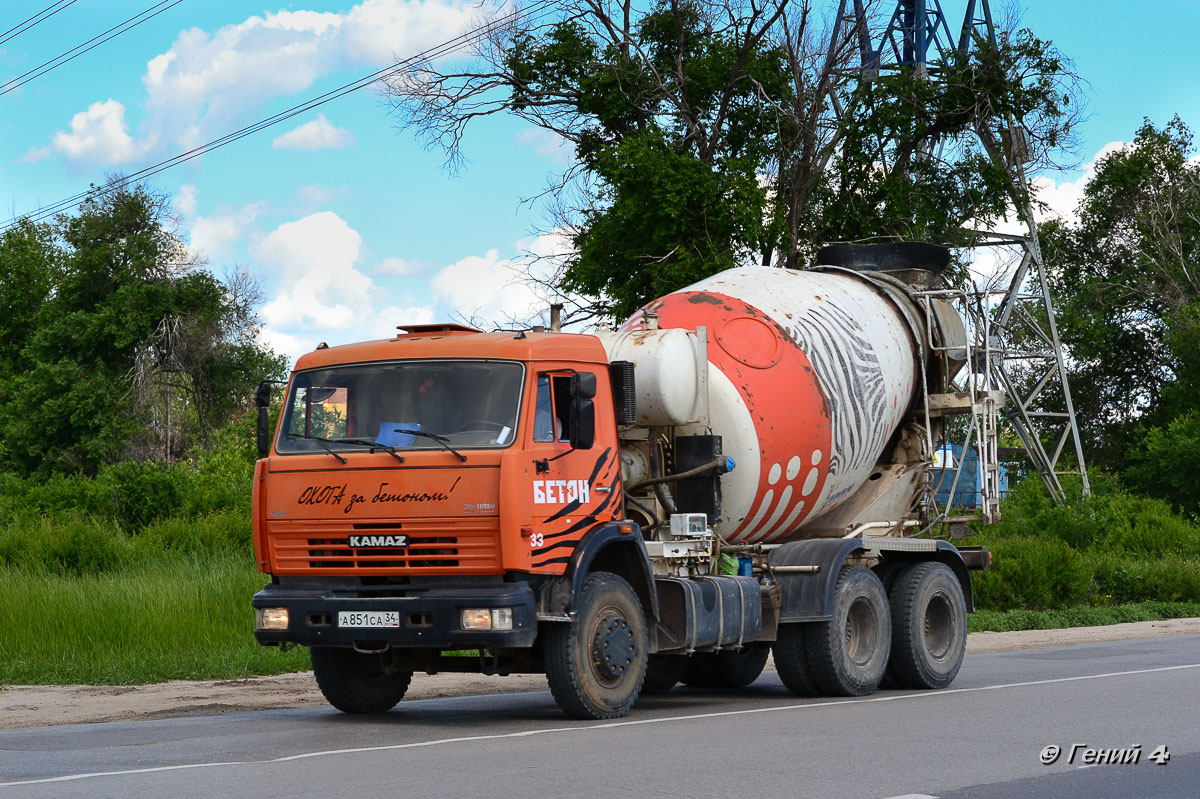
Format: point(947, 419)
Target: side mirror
point(262, 398)
point(583, 410)
point(583, 426)
point(583, 385)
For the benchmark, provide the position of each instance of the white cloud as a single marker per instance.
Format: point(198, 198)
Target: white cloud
point(185, 201)
point(547, 144)
point(496, 290)
point(316, 255)
point(207, 82)
point(1063, 198)
point(318, 134)
point(35, 154)
point(313, 194)
point(319, 242)
point(99, 135)
point(324, 296)
point(388, 319)
point(397, 266)
point(214, 236)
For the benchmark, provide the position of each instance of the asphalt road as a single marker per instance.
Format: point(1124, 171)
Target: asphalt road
point(982, 738)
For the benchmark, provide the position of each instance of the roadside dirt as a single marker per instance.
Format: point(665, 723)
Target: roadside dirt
point(36, 706)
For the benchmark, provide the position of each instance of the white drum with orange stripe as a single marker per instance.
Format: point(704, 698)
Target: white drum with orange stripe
point(810, 374)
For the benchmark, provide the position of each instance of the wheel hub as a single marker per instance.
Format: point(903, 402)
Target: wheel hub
point(613, 648)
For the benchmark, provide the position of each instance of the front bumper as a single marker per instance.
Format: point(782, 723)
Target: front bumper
point(429, 617)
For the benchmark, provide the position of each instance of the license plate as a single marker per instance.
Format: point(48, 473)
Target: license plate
point(368, 618)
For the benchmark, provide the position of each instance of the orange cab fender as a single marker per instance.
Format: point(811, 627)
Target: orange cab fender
point(615, 547)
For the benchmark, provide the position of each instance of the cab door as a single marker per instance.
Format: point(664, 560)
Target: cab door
point(576, 476)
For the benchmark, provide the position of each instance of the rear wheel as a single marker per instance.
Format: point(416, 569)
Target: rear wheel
point(887, 572)
point(357, 682)
point(929, 626)
point(848, 654)
point(595, 665)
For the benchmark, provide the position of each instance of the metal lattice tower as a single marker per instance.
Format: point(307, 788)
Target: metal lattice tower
point(1016, 355)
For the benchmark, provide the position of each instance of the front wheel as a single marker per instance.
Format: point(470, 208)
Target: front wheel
point(358, 682)
point(595, 665)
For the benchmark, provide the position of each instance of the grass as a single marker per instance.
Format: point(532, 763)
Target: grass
point(182, 618)
point(1009, 620)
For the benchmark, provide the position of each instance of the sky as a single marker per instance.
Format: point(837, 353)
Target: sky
point(351, 224)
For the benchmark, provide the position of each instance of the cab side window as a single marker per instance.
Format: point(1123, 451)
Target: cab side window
point(543, 415)
point(552, 416)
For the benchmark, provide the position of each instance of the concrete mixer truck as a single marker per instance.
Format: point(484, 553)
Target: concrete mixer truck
point(737, 470)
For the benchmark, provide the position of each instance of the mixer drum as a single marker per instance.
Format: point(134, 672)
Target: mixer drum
point(809, 375)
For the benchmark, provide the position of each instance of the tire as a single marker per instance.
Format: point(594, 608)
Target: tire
point(663, 672)
point(848, 655)
point(887, 572)
point(929, 627)
point(727, 668)
point(356, 682)
point(596, 664)
point(791, 660)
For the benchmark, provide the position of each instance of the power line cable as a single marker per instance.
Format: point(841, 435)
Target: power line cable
point(439, 50)
point(50, 65)
point(29, 23)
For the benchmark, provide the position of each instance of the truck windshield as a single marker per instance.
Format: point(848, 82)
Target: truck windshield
point(404, 405)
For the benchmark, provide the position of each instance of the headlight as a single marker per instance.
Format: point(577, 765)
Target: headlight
point(272, 618)
point(487, 619)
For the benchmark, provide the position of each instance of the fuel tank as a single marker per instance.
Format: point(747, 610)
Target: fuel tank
point(810, 373)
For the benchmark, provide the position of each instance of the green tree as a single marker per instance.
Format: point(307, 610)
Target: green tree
point(1127, 277)
point(705, 135)
point(111, 322)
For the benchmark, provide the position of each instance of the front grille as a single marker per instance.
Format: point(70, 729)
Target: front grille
point(452, 546)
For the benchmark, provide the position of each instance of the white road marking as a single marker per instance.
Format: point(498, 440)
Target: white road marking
point(913, 796)
point(609, 725)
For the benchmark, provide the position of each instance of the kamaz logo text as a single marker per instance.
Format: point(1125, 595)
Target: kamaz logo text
point(558, 492)
point(359, 541)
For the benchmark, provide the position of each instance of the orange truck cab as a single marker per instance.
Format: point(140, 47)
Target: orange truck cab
point(438, 491)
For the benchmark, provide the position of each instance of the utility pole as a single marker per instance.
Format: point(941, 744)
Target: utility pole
point(1014, 330)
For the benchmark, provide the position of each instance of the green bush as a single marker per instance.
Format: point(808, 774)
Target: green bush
point(222, 532)
point(1111, 518)
point(1032, 572)
point(55, 494)
point(144, 492)
point(71, 544)
point(1118, 578)
point(1147, 527)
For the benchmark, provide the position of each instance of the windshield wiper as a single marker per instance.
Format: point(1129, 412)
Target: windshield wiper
point(445, 442)
point(374, 445)
point(324, 444)
point(362, 442)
